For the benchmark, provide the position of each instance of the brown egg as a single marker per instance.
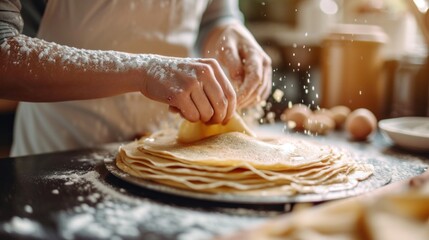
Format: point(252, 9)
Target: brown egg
point(319, 124)
point(339, 114)
point(296, 116)
point(324, 111)
point(360, 124)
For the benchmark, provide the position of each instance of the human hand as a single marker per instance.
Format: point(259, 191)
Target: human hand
point(196, 88)
point(248, 66)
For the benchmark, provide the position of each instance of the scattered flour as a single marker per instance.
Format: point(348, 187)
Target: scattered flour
point(23, 227)
point(104, 212)
point(28, 209)
point(94, 158)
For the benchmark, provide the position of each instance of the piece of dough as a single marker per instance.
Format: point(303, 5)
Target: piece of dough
point(191, 132)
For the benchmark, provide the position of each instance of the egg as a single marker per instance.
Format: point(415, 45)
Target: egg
point(296, 116)
point(339, 114)
point(319, 124)
point(324, 111)
point(360, 124)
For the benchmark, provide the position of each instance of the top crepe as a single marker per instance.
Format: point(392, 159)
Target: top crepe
point(234, 148)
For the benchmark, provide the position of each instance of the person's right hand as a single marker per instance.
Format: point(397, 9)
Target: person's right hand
point(196, 88)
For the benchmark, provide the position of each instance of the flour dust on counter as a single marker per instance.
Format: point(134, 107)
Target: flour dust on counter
point(23, 227)
point(93, 207)
point(104, 212)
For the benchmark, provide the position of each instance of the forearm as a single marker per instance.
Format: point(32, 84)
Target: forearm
point(39, 71)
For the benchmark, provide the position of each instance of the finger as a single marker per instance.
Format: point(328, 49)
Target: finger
point(250, 101)
point(266, 89)
point(262, 93)
point(229, 98)
point(229, 57)
point(219, 92)
point(203, 104)
point(173, 109)
point(232, 102)
point(188, 110)
point(253, 69)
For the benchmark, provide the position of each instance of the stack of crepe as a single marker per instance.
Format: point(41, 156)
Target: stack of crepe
point(237, 162)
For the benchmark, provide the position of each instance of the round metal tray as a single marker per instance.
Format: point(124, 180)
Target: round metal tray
point(380, 178)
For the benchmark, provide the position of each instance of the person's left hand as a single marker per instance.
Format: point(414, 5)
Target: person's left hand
point(246, 63)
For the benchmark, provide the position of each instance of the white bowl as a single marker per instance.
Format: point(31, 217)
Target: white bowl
point(407, 132)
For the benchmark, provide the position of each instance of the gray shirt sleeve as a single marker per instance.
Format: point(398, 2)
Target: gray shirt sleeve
point(217, 12)
point(11, 23)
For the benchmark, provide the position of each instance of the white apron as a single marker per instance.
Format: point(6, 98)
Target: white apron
point(166, 27)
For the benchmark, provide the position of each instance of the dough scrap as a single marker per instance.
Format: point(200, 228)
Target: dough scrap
point(191, 132)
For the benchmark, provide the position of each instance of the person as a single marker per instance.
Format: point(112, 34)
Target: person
point(101, 71)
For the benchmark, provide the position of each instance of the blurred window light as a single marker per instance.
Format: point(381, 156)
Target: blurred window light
point(329, 7)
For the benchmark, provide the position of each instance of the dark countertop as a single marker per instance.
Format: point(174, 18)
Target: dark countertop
point(71, 195)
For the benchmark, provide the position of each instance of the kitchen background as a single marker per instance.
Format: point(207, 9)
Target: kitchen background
point(297, 34)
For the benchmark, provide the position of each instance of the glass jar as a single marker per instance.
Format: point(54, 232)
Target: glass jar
point(410, 94)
